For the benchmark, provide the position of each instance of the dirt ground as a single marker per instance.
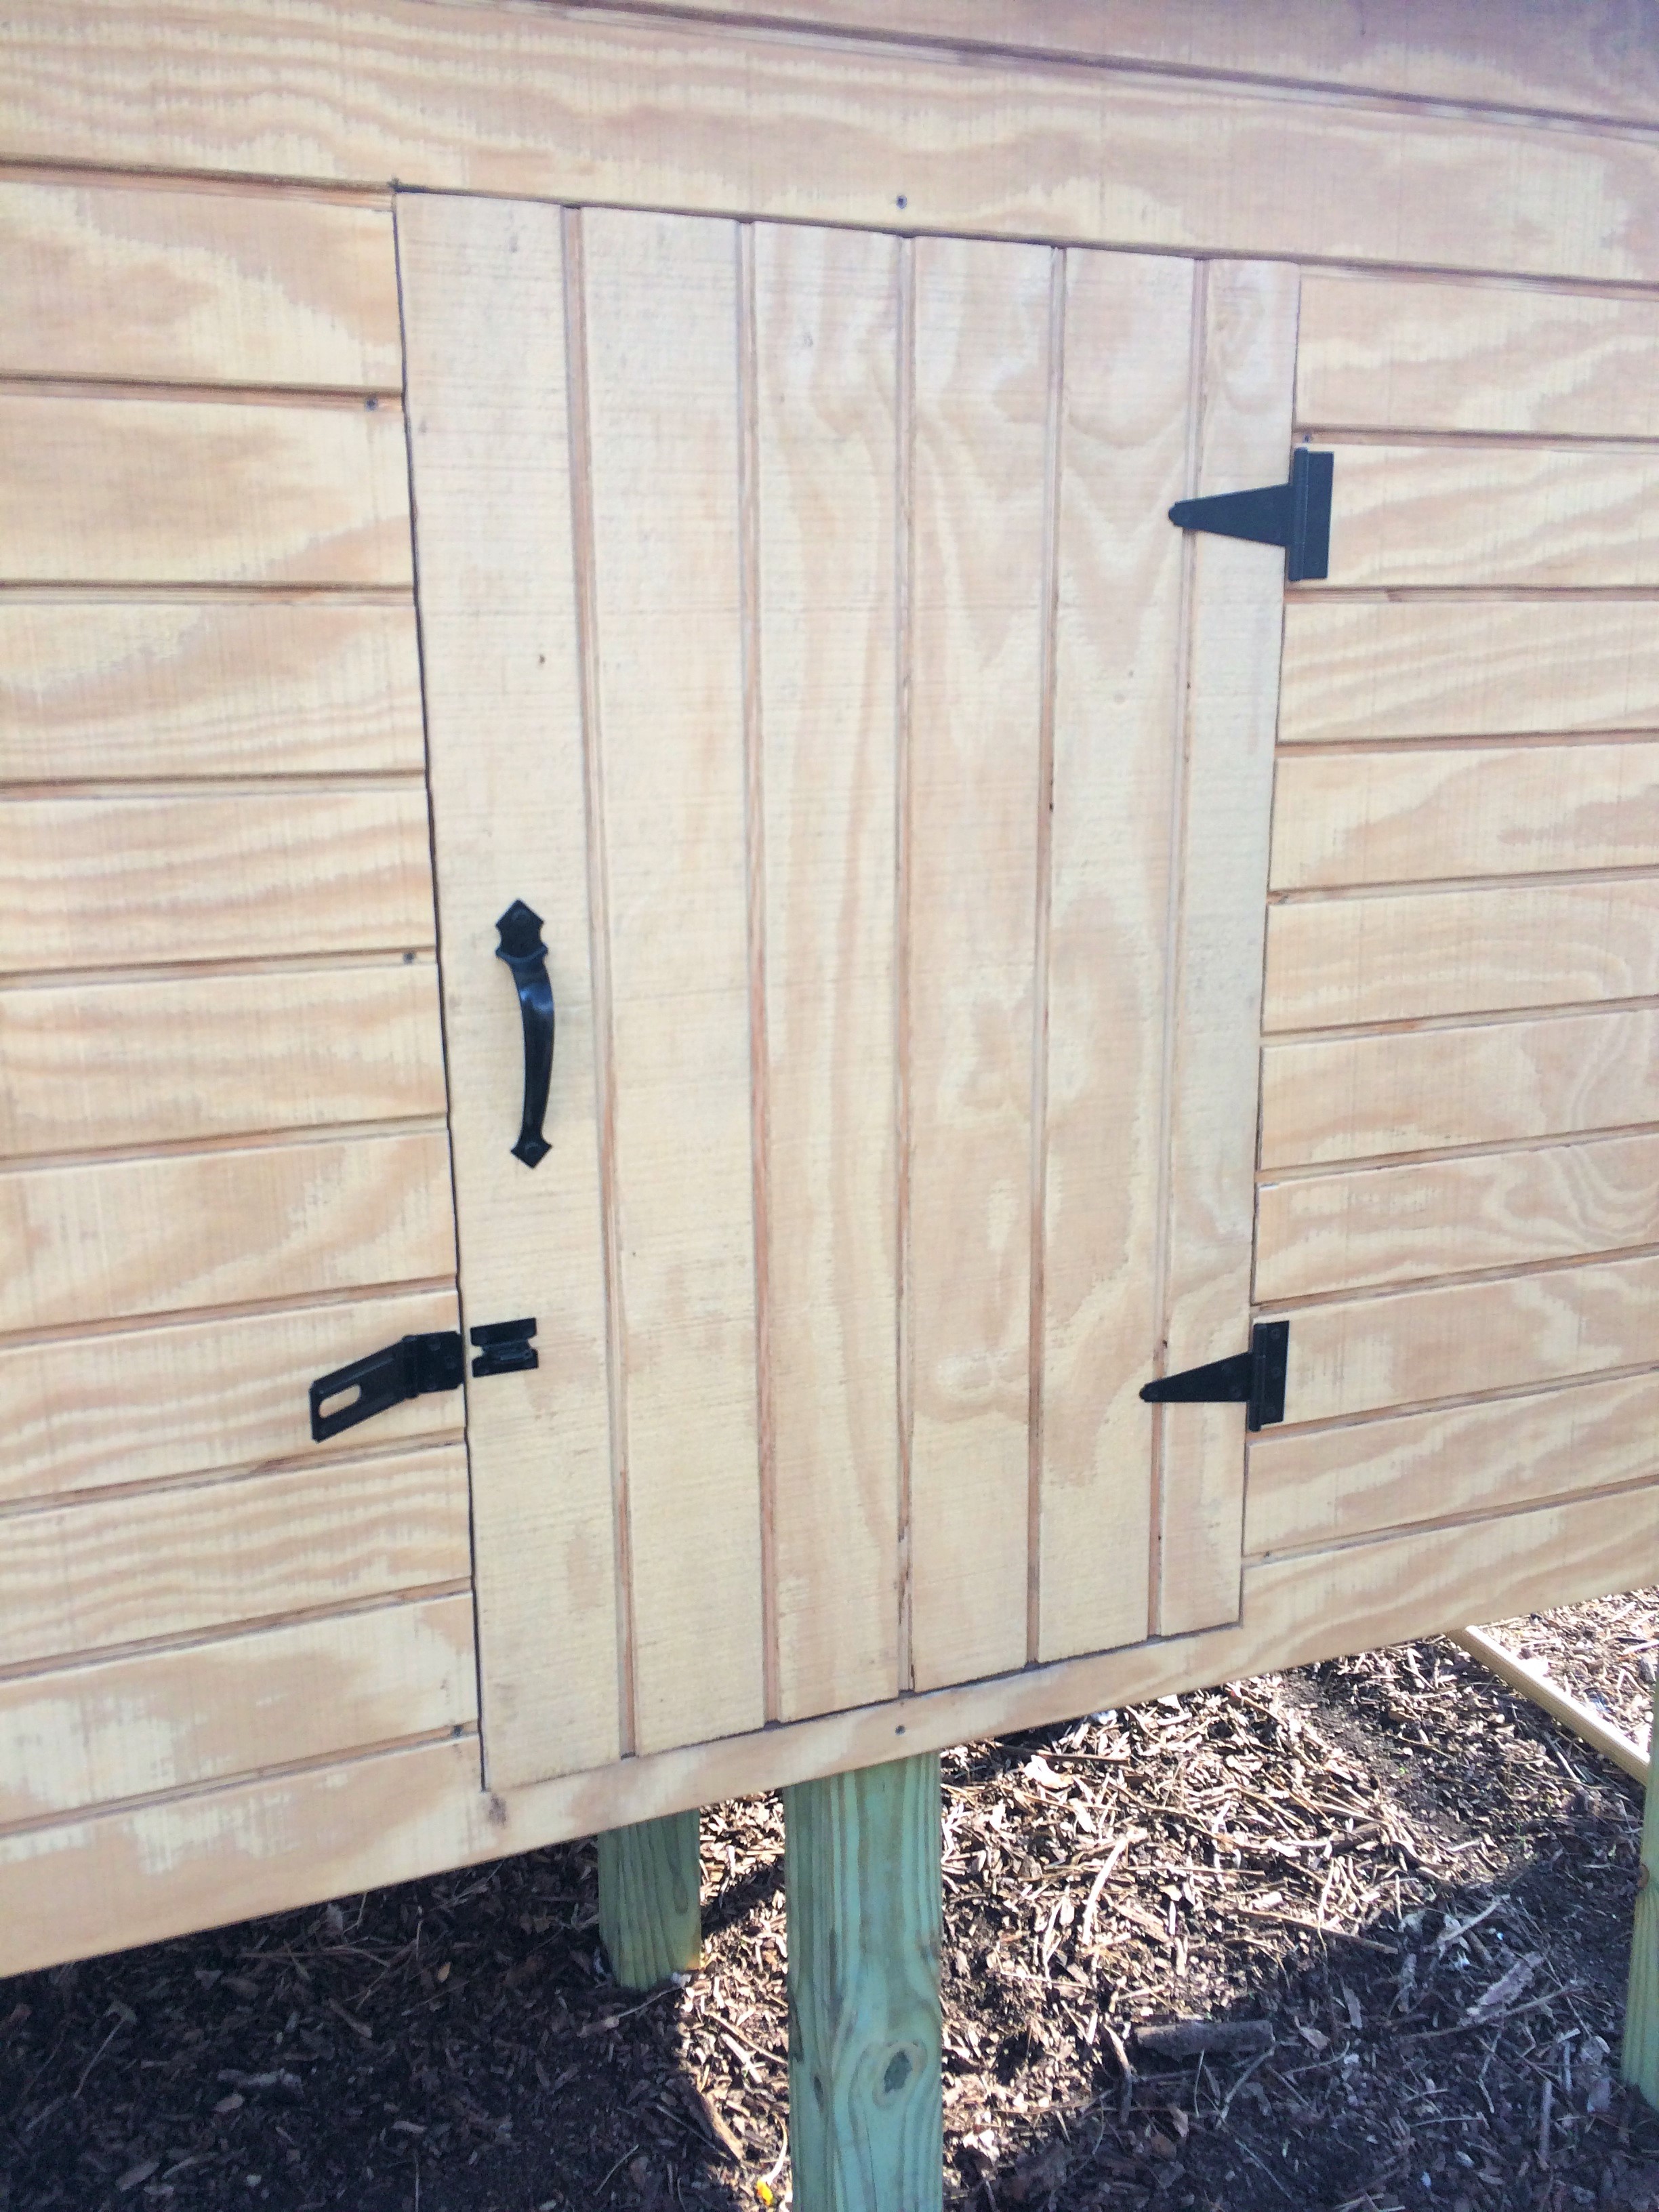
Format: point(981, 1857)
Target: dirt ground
point(1404, 1893)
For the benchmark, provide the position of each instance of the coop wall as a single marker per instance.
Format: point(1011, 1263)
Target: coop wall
point(213, 848)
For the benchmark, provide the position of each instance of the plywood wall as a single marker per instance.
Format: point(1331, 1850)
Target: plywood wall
point(209, 685)
point(224, 1161)
point(1460, 1138)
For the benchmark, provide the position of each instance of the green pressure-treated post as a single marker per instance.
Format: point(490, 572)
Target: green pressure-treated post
point(1641, 2052)
point(650, 1900)
point(862, 1866)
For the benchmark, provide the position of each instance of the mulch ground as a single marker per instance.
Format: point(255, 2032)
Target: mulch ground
point(1391, 1899)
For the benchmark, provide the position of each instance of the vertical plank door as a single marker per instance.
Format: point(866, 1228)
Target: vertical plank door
point(806, 641)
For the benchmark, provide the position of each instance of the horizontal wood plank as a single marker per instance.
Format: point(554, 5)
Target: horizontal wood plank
point(1425, 49)
point(1414, 955)
point(191, 1398)
point(121, 690)
point(1425, 1581)
point(661, 113)
point(115, 882)
point(74, 1889)
point(168, 1719)
point(1448, 1217)
point(162, 491)
point(90, 1066)
point(197, 288)
point(1466, 668)
point(1403, 816)
point(100, 1572)
point(1350, 1098)
point(1392, 354)
point(1340, 1483)
point(1478, 515)
point(1458, 1340)
point(124, 1237)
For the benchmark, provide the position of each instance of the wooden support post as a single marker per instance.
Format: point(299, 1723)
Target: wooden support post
point(1640, 2061)
point(651, 1900)
point(865, 2106)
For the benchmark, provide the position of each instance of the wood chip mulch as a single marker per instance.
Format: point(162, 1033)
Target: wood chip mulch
point(1349, 1940)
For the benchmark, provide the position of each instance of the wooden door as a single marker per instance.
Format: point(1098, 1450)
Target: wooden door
point(807, 643)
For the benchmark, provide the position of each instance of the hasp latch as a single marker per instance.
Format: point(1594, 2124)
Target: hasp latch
point(1296, 515)
point(1254, 1379)
point(411, 1368)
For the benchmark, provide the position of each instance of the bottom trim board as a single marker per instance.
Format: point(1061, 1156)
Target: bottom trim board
point(108, 1880)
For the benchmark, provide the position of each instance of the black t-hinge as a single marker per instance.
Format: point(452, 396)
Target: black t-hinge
point(411, 1367)
point(1254, 1379)
point(1296, 515)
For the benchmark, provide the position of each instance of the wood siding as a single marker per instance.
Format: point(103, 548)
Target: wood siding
point(1459, 1162)
point(223, 1166)
point(222, 1108)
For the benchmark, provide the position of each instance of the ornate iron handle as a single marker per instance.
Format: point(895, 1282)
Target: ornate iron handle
point(522, 949)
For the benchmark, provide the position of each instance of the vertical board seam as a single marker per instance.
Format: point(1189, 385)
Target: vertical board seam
point(748, 395)
point(1273, 811)
point(598, 921)
point(437, 946)
point(904, 424)
point(1172, 938)
point(1058, 267)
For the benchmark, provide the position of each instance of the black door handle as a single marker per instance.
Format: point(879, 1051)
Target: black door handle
point(522, 949)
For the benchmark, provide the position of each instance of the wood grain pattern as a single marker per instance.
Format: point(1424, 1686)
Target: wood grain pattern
point(1422, 1582)
point(1531, 515)
point(157, 491)
point(1232, 695)
point(826, 344)
point(1403, 816)
point(650, 1882)
point(191, 1398)
point(1448, 1217)
point(104, 1241)
point(662, 307)
point(90, 1066)
point(217, 1554)
point(1336, 1484)
point(168, 1719)
point(104, 691)
point(1466, 668)
point(100, 882)
point(1459, 1340)
point(1414, 955)
point(1379, 353)
point(197, 288)
point(270, 1844)
point(483, 289)
point(1122, 460)
point(1417, 49)
point(107, 1880)
point(1348, 1098)
point(862, 1854)
point(981, 402)
point(1319, 1605)
point(656, 113)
